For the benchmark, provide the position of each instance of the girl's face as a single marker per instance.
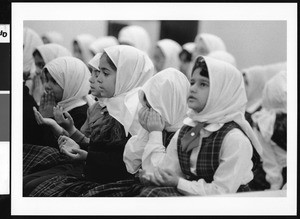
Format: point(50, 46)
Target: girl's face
point(158, 59)
point(52, 85)
point(94, 85)
point(199, 91)
point(39, 63)
point(201, 49)
point(106, 78)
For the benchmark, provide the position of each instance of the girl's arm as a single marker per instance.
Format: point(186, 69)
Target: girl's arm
point(134, 149)
point(234, 169)
point(156, 155)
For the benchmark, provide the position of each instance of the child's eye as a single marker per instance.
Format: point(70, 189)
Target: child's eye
point(203, 84)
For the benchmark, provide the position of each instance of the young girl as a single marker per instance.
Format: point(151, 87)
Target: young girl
point(42, 55)
point(270, 128)
point(211, 154)
point(165, 93)
point(101, 43)
point(122, 70)
point(135, 36)
point(67, 86)
point(166, 55)
point(31, 40)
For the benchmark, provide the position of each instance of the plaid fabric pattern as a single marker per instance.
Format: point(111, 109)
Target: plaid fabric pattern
point(37, 158)
point(62, 186)
point(208, 158)
point(120, 188)
point(152, 191)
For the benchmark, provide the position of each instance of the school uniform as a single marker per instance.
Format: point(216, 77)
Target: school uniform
point(165, 91)
point(72, 75)
point(215, 152)
point(104, 160)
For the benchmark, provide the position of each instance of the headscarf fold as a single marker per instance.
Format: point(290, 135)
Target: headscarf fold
point(84, 41)
point(51, 51)
point(103, 42)
point(134, 68)
point(73, 76)
point(274, 100)
point(226, 100)
point(31, 40)
point(171, 50)
point(135, 36)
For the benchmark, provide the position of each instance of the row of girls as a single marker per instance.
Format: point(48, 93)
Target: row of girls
point(124, 123)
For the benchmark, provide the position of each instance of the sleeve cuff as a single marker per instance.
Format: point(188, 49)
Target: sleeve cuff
point(183, 185)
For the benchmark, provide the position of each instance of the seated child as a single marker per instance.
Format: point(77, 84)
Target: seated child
point(122, 70)
point(216, 150)
point(42, 55)
point(270, 127)
point(165, 93)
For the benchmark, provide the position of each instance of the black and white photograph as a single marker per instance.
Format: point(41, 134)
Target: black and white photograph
point(153, 109)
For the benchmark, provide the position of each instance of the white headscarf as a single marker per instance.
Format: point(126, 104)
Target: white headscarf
point(224, 56)
point(257, 77)
point(84, 41)
point(134, 68)
point(274, 100)
point(212, 42)
point(166, 92)
point(103, 42)
point(73, 76)
point(31, 40)
point(95, 61)
point(190, 47)
point(51, 51)
point(135, 36)
point(226, 100)
point(54, 37)
point(171, 50)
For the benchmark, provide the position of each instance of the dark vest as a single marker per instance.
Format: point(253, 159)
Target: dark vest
point(208, 157)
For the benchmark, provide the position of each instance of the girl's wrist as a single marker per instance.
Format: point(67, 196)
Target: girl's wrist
point(72, 130)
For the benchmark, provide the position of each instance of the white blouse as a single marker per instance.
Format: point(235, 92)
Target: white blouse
point(234, 169)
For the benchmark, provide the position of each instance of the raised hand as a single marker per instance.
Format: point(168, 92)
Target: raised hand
point(155, 121)
point(37, 88)
point(57, 130)
point(143, 117)
point(46, 105)
point(64, 119)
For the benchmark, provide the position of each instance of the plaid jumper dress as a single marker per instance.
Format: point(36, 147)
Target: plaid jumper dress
point(207, 162)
